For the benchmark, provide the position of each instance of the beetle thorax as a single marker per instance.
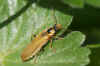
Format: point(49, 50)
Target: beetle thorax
point(51, 33)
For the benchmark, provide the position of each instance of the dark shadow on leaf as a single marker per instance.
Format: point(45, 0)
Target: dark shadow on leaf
point(55, 4)
point(67, 9)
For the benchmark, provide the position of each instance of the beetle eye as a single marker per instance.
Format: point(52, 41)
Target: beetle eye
point(49, 30)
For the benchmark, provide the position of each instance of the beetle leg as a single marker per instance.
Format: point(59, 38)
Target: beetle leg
point(51, 43)
point(58, 38)
point(54, 50)
point(35, 58)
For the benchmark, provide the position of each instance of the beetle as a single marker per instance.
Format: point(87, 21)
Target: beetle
point(39, 41)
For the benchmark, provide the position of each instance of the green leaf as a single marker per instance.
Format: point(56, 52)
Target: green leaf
point(17, 34)
point(75, 3)
point(95, 3)
point(68, 52)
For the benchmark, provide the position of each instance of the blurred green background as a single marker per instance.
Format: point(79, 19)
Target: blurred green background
point(87, 20)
